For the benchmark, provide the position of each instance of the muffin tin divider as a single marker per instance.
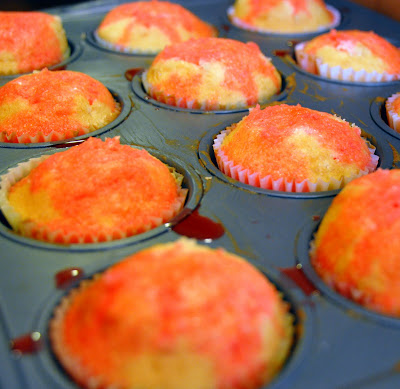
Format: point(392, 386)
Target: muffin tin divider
point(264, 228)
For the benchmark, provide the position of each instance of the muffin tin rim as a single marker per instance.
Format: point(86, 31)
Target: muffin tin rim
point(304, 238)
point(76, 49)
point(126, 108)
point(207, 157)
point(300, 305)
point(195, 194)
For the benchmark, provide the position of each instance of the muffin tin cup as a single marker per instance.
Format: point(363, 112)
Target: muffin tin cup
point(145, 93)
point(237, 22)
point(190, 182)
point(124, 104)
point(75, 50)
point(303, 247)
point(301, 307)
point(210, 161)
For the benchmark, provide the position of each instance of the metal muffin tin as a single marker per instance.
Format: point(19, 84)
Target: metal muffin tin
point(338, 345)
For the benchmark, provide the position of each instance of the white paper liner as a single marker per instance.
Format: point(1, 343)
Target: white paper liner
point(315, 65)
point(170, 99)
point(246, 176)
point(392, 116)
point(121, 48)
point(43, 233)
point(56, 327)
point(245, 26)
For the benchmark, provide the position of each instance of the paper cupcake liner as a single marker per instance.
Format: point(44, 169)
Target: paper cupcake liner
point(246, 176)
point(392, 116)
point(40, 137)
point(180, 102)
point(70, 363)
point(314, 65)
point(122, 49)
point(246, 26)
point(41, 232)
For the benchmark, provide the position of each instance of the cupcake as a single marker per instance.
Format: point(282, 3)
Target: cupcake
point(356, 248)
point(174, 316)
point(293, 149)
point(50, 106)
point(351, 55)
point(283, 16)
point(96, 191)
point(392, 106)
point(211, 74)
point(30, 41)
point(149, 26)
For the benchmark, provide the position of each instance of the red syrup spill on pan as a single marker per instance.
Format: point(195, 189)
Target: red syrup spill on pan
point(130, 73)
point(297, 275)
point(27, 343)
point(199, 227)
point(66, 277)
point(281, 53)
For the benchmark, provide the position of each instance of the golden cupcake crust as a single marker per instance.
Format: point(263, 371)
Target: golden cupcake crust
point(49, 106)
point(283, 15)
point(297, 144)
point(30, 41)
point(359, 50)
point(151, 25)
point(213, 73)
point(356, 248)
point(173, 314)
point(96, 191)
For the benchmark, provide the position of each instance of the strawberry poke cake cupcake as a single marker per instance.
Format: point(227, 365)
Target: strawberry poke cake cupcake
point(31, 41)
point(212, 74)
point(392, 106)
point(283, 16)
point(96, 191)
point(51, 106)
point(149, 26)
point(350, 55)
point(293, 149)
point(356, 248)
point(192, 317)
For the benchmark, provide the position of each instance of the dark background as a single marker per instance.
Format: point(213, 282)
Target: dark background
point(388, 7)
point(29, 5)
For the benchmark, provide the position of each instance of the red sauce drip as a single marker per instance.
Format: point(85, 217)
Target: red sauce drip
point(199, 227)
point(300, 279)
point(27, 344)
point(281, 53)
point(316, 218)
point(66, 277)
point(130, 73)
point(226, 27)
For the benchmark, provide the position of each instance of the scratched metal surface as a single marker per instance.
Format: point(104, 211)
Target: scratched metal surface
point(339, 345)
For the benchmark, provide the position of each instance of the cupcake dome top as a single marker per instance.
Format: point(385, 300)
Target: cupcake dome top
point(213, 73)
point(96, 191)
point(359, 50)
point(356, 248)
point(174, 314)
point(50, 106)
point(297, 144)
point(283, 15)
point(30, 41)
point(151, 25)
